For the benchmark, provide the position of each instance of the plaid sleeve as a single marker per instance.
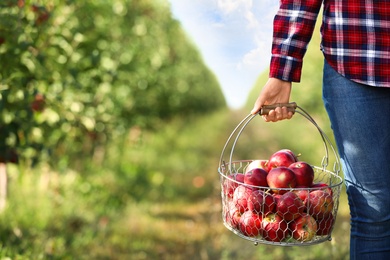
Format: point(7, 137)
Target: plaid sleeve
point(293, 28)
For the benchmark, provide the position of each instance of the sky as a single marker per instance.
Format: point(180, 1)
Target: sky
point(233, 37)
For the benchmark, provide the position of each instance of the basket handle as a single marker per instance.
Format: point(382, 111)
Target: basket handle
point(294, 108)
point(267, 108)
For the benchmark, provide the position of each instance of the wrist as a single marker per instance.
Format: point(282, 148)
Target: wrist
point(280, 81)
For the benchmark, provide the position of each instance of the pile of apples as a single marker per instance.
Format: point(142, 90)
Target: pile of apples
point(277, 200)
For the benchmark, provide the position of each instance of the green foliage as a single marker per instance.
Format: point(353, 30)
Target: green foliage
point(97, 68)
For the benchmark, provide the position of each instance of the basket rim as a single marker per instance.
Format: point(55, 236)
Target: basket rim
point(338, 181)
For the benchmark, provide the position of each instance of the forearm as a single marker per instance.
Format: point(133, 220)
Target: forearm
point(293, 28)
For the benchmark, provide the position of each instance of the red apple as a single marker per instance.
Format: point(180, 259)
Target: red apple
point(240, 197)
point(43, 14)
point(239, 177)
point(304, 173)
point(304, 228)
point(38, 104)
point(21, 3)
point(43, 17)
point(232, 215)
point(302, 193)
point(261, 202)
point(280, 158)
point(325, 225)
point(276, 199)
point(289, 206)
point(274, 228)
point(319, 204)
point(281, 177)
point(322, 186)
point(290, 152)
point(231, 182)
point(262, 164)
point(256, 177)
point(250, 224)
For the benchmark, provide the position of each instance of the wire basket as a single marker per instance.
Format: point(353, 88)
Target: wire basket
point(275, 215)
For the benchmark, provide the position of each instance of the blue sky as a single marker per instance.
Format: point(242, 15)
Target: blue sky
point(234, 38)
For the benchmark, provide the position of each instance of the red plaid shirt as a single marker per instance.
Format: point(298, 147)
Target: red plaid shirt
point(355, 38)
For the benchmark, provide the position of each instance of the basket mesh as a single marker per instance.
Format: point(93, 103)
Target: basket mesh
point(285, 216)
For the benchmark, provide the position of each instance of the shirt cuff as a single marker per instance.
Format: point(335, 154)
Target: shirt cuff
point(285, 68)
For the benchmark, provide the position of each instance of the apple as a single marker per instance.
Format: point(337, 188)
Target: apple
point(262, 164)
point(281, 177)
point(21, 3)
point(280, 158)
point(290, 206)
point(256, 177)
point(304, 173)
point(304, 228)
point(250, 224)
point(325, 225)
point(276, 199)
point(43, 17)
point(274, 228)
point(38, 104)
point(232, 215)
point(240, 197)
point(322, 186)
point(302, 192)
point(261, 202)
point(231, 182)
point(319, 204)
point(43, 14)
point(239, 177)
point(290, 152)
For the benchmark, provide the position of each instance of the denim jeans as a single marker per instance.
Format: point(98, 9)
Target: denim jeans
point(360, 120)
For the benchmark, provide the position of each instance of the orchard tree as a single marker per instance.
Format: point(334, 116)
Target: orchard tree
point(76, 74)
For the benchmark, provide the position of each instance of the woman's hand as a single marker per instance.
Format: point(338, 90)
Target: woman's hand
point(274, 91)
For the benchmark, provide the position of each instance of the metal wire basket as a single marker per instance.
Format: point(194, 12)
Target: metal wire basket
point(290, 216)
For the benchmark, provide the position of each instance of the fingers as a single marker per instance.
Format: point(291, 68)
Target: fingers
point(279, 113)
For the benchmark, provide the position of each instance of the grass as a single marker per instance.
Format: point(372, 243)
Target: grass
point(154, 196)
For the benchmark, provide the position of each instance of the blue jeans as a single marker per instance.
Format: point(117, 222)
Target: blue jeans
point(360, 119)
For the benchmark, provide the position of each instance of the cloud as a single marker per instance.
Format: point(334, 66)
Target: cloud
point(234, 38)
point(228, 6)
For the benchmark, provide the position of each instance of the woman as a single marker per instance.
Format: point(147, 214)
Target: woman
point(356, 93)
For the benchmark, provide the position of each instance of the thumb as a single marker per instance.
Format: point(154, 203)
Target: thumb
point(257, 106)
